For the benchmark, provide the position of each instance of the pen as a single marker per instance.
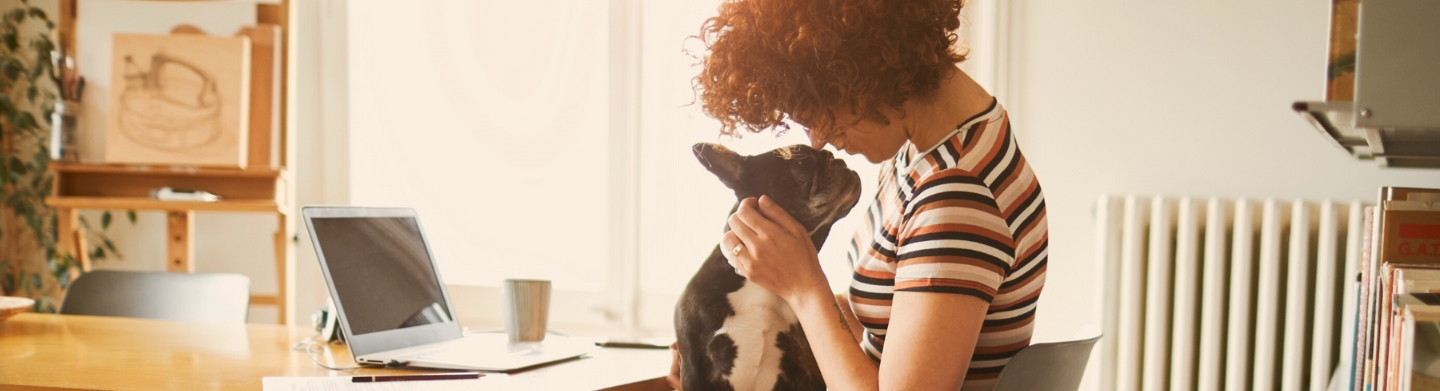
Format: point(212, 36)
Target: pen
point(437, 376)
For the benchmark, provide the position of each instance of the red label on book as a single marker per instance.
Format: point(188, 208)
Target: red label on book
point(1419, 231)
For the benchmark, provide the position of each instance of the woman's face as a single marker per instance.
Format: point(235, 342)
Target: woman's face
point(874, 140)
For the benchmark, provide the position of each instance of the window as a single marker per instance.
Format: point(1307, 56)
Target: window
point(494, 120)
point(683, 207)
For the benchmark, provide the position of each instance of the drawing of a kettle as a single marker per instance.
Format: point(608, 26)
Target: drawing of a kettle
point(174, 105)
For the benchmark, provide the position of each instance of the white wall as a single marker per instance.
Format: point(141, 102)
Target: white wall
point(1177, 98)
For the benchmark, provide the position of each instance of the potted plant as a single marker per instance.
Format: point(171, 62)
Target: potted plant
point(32, 265)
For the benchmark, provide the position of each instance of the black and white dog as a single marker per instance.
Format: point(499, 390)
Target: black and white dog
point(733, 334)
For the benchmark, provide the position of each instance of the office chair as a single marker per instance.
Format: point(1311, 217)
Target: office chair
point(1056, 366)
point(200, 297)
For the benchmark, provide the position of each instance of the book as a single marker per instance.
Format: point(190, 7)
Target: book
point(1364, 331)
point(1411, 232)
point(1404, 279)
point(1418, 342)
point(1391, 266)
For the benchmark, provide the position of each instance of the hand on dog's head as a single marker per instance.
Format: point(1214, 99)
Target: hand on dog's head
point(810, 184)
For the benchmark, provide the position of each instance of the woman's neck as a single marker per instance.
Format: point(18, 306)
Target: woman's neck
point(930, 119)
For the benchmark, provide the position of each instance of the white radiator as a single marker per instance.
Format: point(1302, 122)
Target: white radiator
point(1214, 294)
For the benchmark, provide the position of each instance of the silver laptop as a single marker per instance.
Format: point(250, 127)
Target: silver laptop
point(392, 305)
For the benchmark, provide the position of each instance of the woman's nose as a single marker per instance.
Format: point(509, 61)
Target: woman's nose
point(816, 141)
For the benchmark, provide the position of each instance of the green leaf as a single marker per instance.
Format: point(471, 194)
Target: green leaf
point(12, 43)
point(21, 282)
point(105, 220)
point(45, 305)
point(131, 215)
point(7, 283)
point(27, 121)
point(64, 278)
point(31, 91)
point(98, 253)
point(43, 47)
point(18, 167)
point(109, 245)
point(24, 208)
point(11, 66)
point(85, 223)
point(47, 184)
point(38, 13)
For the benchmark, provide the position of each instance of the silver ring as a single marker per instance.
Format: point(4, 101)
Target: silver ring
point(735, 252)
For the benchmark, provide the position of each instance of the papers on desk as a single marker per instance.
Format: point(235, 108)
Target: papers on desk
point(494, 381)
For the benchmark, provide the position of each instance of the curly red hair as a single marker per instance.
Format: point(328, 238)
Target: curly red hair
point(773, 60)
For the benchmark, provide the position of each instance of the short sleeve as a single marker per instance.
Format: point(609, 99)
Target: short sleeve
point(953, 239)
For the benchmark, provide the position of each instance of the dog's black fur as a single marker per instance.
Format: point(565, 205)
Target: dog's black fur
point(814, 188)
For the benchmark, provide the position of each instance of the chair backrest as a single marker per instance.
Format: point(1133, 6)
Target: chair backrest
point(200, 297)
point(1056, 366)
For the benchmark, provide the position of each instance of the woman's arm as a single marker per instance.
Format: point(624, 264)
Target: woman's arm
point(843, 363)
point(932, 337)
point(934, 333)
point(852, 322)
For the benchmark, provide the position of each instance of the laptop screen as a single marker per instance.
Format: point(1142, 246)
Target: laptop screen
point(381, 271)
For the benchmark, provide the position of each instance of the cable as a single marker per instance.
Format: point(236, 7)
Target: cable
point(310, 342)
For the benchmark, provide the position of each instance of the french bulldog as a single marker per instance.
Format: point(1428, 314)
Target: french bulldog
point(732, 334)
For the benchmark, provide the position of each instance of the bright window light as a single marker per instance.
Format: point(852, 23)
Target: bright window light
point(490, 119)
point(682, 206)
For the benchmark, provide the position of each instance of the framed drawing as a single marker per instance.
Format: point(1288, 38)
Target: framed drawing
point(179, 100)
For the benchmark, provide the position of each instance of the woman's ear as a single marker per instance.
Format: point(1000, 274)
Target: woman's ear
point(721, 161)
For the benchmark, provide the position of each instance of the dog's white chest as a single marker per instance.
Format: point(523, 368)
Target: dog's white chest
point(759, 317)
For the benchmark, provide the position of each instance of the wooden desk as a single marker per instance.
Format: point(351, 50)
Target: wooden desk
point(43, 351)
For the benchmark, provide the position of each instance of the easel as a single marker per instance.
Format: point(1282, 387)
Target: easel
point(260, 188)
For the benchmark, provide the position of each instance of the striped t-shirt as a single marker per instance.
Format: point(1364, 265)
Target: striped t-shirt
point(966, 217)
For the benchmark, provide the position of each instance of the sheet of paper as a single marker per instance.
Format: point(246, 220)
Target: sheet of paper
point(342, 383)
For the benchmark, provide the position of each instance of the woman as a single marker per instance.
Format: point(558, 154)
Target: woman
point(952, 259)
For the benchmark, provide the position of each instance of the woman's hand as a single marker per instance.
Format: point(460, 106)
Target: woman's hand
point(775, 251)
point(674, 377)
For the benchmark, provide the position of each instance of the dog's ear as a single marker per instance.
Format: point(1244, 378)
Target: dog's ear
point(721, 161)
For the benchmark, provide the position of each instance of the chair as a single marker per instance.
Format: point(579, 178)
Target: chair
point(200, 297)
point(1056, 366)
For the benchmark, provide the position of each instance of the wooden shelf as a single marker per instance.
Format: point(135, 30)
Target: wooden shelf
point(154, 204)
point(81, 168)
point(132, 185)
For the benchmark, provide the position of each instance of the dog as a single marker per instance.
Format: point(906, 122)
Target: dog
point(732, 334)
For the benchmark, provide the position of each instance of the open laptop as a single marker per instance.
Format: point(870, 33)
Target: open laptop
point(392, 305)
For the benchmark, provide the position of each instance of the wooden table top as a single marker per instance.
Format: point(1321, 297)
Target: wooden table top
point(45, 351)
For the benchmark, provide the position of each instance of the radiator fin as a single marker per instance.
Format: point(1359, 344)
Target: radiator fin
point(1215, 294)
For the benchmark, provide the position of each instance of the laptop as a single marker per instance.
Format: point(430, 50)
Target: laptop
point(392, 304)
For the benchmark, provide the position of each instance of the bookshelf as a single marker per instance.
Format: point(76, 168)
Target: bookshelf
point(265, 186)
